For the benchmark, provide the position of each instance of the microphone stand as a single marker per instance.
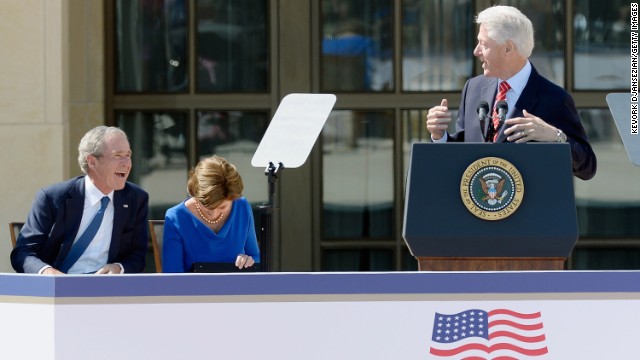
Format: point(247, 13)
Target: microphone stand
point(491, 131)
point(503, 108)
point(485, 126)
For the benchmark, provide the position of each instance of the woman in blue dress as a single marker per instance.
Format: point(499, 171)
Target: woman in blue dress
point(215, 224)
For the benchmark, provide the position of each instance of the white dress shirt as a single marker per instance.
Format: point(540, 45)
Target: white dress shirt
point(97, 253)
point(517, 83)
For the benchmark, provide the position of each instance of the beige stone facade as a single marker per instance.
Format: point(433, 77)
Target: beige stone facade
point(52, 91)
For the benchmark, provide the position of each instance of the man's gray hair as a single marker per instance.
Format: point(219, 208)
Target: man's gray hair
point(508, 23)
point(92, 143)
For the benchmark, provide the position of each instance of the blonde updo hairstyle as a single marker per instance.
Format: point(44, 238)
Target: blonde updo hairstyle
point(214, 180)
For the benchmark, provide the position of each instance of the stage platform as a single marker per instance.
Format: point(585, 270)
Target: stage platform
point(398, 315)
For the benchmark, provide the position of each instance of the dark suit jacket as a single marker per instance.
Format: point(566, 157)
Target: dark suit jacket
point(539, 97)
point(54, 219)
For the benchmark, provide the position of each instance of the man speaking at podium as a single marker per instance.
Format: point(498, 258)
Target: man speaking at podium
point(511, 101)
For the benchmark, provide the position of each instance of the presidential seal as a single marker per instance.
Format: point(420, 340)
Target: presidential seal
point(492, 188)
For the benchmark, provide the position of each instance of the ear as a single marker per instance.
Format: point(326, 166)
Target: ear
point(509, 47)
point(91, 161)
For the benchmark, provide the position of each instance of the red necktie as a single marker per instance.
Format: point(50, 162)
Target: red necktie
point(502, 95)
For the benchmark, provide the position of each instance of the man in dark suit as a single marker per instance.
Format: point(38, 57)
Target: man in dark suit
point(62, 212)
point(538, 110)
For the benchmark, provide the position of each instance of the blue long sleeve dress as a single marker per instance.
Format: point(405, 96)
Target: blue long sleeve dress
point(187, 240)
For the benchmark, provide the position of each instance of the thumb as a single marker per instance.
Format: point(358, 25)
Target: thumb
point(526, 113)
point(444, 103)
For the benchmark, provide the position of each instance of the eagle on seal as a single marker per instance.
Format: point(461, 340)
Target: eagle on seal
point(492, 188)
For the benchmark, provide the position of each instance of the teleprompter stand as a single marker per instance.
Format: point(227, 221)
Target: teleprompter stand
point(288, 141)
point(266, 215)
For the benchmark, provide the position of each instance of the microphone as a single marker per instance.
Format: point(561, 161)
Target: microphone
point(503, 108)
point(483, 110)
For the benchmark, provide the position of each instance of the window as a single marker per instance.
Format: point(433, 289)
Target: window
point(609, 204)
point(433, 59)
point(357, 48)
point(357, 182)
point(232, 41)
point(151, 46)
point(602, 44)
point(171, 66)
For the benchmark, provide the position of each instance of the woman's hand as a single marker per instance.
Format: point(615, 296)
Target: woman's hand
point(244, 261)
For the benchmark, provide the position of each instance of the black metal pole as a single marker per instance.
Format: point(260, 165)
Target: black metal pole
point(266, 217)
point(265, 237)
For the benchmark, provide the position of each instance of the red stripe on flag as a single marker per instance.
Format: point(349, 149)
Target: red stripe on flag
point(527, 339)
point(514, 314)
point(488, 349)
point(516, 325)
point(496, 358)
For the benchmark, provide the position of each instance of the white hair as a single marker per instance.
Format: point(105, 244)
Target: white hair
point(93, 142)
point(508, 23)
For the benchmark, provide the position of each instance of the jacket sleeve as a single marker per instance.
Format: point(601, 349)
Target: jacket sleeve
point(584, 161)
point(34, 236)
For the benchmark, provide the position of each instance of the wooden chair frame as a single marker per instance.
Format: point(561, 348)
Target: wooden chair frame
point(156, 243)
point(14, 228)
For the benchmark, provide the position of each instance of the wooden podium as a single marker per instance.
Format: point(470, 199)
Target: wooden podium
point(490, 207)
point(427, 263)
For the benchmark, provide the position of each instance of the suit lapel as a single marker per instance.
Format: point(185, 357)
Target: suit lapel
point(530, 96)
point(488, 93)
point(528, 100)
point(72, 217)
point(120, 213)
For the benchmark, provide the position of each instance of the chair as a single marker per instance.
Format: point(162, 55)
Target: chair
point(156, 229)
point(14, 228)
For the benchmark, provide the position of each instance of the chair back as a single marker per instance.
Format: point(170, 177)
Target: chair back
point(156, 230)
point(14, 228)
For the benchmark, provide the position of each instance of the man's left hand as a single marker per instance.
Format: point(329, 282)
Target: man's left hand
point(109, 269)
point(529, 128)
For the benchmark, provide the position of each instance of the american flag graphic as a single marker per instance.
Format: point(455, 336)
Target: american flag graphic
point(499, 334)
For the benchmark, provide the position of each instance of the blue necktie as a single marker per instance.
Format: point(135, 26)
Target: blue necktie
point(78, 248)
